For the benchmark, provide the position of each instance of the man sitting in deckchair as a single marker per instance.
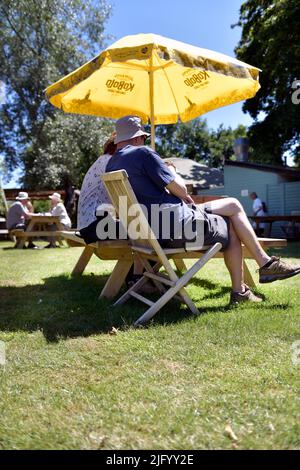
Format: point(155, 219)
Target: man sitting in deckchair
point(223, 221)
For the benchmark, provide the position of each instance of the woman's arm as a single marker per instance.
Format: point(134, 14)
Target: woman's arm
point(177, 186)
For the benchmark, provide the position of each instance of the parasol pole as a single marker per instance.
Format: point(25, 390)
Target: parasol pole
point(151, 95)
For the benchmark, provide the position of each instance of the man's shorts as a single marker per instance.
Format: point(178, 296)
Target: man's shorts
point(218, 228)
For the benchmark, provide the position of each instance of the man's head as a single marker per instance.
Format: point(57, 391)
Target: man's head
point(22, 197)
point(55, 199)
point(130, 131)
point(253, 196)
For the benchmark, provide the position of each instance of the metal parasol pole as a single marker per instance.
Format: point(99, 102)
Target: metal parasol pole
point(151, 95)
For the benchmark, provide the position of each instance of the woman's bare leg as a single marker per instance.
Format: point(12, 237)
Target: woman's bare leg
point(232, 208)
point(233, 258)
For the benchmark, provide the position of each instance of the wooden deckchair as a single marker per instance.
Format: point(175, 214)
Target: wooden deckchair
point(146, 248)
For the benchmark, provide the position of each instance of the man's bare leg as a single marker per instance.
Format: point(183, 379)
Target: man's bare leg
point(233, 258)
point(232, 208)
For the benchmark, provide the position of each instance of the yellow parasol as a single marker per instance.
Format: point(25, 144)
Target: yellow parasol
point(155, 78)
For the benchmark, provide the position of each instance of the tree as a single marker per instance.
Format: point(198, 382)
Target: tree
point(196, 141)
point(187, 140)
point(221, 143)
point(39, 43)
point(74, 143)
point(270, 40)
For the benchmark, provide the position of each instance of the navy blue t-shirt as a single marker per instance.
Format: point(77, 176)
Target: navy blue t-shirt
point(149, 175)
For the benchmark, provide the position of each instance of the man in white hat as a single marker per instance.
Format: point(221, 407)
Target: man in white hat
point(18, 213)
point(157, 186)
point(58, 210)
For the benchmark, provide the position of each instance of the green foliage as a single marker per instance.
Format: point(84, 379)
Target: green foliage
point(75, 142)
point(39, 43)
point(196, 141)
point(41, 205)
point(270, 40)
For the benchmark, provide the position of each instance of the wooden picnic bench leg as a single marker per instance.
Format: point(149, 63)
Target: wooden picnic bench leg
point(270, 230)
point(83, 260)
point(248, 276)
point(116, 279)
point(27, 231)
point(21, 242)
point(13, 238)
point(60, 242)
point(60, 227)
point(180, 265)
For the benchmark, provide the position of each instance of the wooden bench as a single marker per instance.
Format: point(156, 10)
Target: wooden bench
point(3, 230)
point(120, 250)
point(37, 227)
point(293, 220)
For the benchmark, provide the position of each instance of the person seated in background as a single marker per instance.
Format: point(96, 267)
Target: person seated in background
point(259, 211)
point(29, 207)
point(19, 213)
point(58, 210)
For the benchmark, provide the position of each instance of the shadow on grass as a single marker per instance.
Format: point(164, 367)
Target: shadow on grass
point(69, 307)
point(214, 290)
point(65, 307)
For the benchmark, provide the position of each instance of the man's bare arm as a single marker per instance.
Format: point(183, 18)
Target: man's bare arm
point(178, 188)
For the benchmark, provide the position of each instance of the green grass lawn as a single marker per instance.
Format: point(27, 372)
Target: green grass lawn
point(176, 384)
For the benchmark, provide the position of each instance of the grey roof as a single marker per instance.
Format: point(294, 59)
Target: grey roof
point(283, 170)
point(199, 175)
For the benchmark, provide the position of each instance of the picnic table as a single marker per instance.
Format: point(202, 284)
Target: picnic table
point(270, 219)
point(120, 250)
point(38, 227)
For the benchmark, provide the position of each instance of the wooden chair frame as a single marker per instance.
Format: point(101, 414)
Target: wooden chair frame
point(147, 248)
